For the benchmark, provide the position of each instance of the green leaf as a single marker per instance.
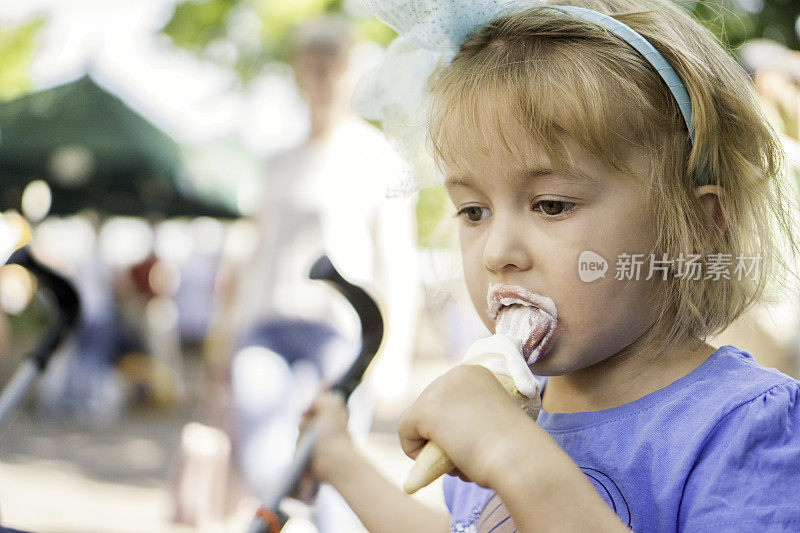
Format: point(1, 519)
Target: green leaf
point(196, 24)
point(17, 49)
point(434, 221)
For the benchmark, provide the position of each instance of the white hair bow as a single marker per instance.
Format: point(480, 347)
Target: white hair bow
point(430, 33)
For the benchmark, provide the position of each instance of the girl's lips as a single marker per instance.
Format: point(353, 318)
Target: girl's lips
point(528, 318)
point(502, 295)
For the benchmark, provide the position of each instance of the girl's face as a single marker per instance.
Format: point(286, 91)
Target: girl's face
point(529, 226)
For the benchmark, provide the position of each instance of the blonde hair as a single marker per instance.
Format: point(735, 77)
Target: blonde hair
point(561, 78)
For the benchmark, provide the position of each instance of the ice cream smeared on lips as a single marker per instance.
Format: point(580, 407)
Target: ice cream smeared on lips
point(524, 325)
point(524, 316)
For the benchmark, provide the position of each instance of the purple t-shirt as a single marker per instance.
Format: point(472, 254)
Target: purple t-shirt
point(717, 450)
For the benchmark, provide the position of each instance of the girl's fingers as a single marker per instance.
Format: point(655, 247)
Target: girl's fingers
point(328, 414)
point(457, 411)
point(325, 406)
point(419, 421)
point(408, 430)
point(327, 402)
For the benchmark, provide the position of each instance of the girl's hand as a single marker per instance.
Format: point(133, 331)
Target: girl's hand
point(471, 417)
point(333, 444)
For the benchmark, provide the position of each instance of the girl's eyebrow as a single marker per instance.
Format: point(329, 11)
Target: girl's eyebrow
point(568, 174)
point(463, 180)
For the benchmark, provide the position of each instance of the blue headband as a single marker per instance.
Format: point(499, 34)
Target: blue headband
point(653, 56)
point(430, 33)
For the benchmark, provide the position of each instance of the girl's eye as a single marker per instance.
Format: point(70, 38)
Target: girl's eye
point(553, 207)
point(474, 213)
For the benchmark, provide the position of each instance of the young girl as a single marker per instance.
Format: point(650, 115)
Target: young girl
point(564, 150)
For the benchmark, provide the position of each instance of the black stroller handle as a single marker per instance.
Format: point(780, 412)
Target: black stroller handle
point(67, 302)
point(369, 315)
point(68, 307)
point(269, 518)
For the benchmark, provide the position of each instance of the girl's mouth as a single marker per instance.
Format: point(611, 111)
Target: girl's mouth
point(524, 316)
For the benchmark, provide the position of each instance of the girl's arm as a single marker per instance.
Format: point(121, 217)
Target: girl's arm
point(543, 488)
point(381, 507)
point(493, 443)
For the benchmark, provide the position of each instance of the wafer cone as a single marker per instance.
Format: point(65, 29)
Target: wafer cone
point(432, 462)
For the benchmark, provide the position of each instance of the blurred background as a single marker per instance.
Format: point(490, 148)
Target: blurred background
point(142, 143)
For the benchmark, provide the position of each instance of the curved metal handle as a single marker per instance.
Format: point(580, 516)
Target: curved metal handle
point(68, 306)
point(269, 518)
point(368, 314)
point(67, 302)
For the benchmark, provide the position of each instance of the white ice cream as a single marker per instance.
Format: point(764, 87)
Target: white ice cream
point(524, 325)
point(524, 316)
point(508, 361)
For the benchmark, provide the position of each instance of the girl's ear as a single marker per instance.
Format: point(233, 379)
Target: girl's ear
point(714, 203)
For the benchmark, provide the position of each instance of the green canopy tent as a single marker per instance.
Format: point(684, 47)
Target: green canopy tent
point(94, 152)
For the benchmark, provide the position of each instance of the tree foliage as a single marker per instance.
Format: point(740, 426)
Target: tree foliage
point(17, 49)
point(246, 35)
point(733, 25)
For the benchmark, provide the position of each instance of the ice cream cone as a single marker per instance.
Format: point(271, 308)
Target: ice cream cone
point(432, 462)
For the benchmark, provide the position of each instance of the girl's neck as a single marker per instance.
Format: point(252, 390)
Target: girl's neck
point(629, 375)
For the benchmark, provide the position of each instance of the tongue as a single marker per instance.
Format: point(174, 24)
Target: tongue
point(530, 326)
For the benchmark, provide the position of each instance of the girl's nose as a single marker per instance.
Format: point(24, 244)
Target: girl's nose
point(507, 247)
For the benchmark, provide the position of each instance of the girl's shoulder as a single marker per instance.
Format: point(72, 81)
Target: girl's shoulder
point(730, 388)
point(744, 472)
point(731, 379)
point(727, 381)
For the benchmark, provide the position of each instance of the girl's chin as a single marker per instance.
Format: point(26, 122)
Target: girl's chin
point(551, 363)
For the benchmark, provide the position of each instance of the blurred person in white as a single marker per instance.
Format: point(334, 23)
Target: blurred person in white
point(327, 195)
